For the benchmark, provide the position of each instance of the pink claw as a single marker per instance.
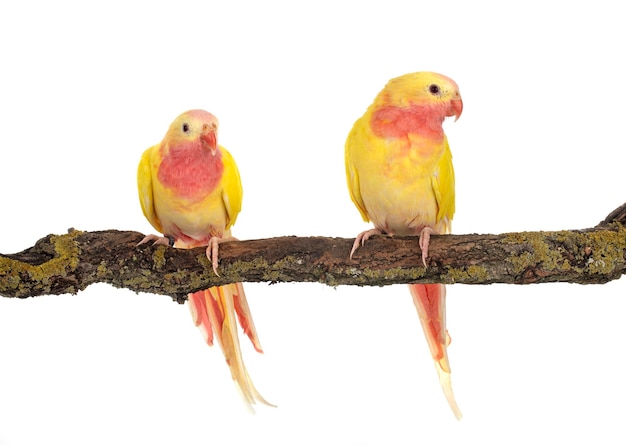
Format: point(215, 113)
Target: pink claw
point(158, 240)
point(212, 251)
point(424, 242)
point(362, 237)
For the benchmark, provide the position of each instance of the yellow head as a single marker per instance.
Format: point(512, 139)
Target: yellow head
point(192, 127)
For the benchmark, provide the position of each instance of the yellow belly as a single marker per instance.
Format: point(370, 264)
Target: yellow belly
point(189, 220)
point(400, 207)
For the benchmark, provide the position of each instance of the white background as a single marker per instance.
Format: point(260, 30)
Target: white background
point(84, 89)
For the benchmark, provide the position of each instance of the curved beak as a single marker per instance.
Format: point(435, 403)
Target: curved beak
point(209, 138)
point(456, 106)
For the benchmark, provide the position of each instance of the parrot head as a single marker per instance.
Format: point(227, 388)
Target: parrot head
point(435, 91)
point(192, 127)
point(416, 103)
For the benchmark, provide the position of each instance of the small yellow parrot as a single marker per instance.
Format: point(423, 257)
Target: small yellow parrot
point(190, 191)
point(400, 176)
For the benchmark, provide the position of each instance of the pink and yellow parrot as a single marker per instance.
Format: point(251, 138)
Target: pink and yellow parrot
point(400, 176)
point(190, 191)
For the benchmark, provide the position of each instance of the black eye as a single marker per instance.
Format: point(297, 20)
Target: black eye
point(434, 89)
point(186, 127)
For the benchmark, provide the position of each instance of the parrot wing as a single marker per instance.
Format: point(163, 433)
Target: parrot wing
point(355, 139)
point(232, 192)
point(443, 187)
point(144, 185)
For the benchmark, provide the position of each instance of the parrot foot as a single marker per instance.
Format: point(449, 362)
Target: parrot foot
point(425, 241)
point(362, 237)
point(212, 250)
point(158, 240)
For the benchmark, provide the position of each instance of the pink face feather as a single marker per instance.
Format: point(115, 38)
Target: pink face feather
point(393, 121)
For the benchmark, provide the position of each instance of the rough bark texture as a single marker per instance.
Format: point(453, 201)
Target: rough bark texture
point(59, 264)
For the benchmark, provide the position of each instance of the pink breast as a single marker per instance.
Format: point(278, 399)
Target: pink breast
point(191, 172)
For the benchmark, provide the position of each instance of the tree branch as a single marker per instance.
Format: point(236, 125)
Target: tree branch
point(59, 264)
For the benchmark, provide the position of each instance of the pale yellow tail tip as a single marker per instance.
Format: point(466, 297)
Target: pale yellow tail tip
point(446, 385)
point(249, 393)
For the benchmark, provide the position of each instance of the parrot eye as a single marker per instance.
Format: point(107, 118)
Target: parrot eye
point(434, 89)
point(185, 127)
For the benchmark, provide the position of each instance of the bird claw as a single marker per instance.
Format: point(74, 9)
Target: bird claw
point(212, 250)
point(424, 242)
point(361, 238)
point(158, 240)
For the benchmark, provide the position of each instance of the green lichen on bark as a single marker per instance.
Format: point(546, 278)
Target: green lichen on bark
point(599, 252)
point(607, 251)
point(472, 272)
point(159, 257)
point(19, 276)
point(69, 263)
point(539, 251)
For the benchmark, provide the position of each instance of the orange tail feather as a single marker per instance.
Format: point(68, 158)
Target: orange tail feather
point(213, 311)
point(430, 302)
point(245, 317)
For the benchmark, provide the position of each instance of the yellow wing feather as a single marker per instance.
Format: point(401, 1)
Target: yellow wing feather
point(443, 187)
point(355, 140)
point(232, 192)
point(144, 185)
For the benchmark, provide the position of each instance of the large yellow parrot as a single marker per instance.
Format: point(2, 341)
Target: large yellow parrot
point(400, 176)
point(190, 191)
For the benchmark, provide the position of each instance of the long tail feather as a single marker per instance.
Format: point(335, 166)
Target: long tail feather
point(213, 311)
point(430, 302)
point(200, 315)
point(245, 317)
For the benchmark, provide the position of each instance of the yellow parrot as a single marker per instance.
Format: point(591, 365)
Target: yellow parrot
point(400, 176)
point(190, 191)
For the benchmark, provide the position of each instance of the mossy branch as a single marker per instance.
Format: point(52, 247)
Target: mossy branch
point(59, 264)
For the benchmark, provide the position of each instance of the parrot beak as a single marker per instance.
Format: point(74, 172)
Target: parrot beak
point(209, 138)
point(456, 105)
